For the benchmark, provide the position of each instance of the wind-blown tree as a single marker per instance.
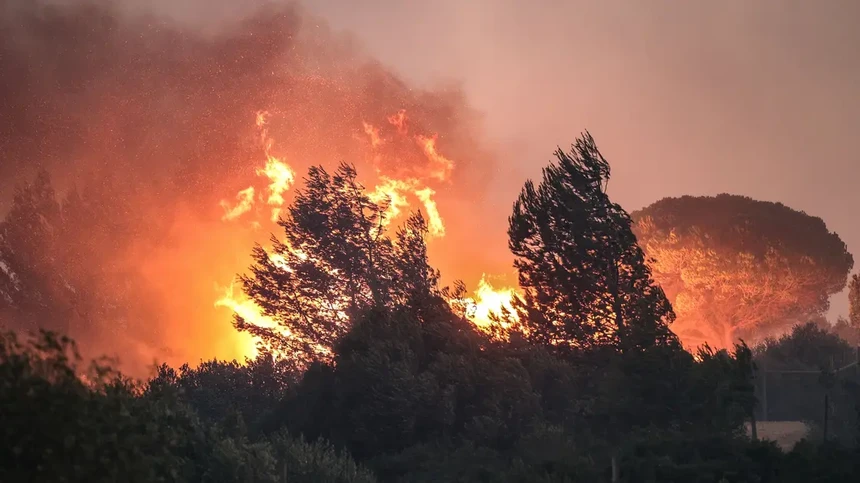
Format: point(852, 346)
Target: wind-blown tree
point(735, 267)
point(585, 280)
point(335, 261)
point(588, 293)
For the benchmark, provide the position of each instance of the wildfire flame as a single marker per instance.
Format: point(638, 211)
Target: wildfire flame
point(490, 300)
point(444, 166)
point(248, 310)
point(391, 190)
point(395, 191)
point(280, 175)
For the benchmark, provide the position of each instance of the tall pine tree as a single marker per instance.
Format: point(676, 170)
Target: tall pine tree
point(585, 279)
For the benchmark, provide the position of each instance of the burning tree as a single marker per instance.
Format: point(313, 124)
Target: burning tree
point(585, 279)
point(336, 261)
point(735, 267)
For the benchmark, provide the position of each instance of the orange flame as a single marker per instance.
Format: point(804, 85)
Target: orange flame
point(373, 133)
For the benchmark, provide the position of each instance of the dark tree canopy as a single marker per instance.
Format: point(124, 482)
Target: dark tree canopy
point(735, 267)
point(585, 279)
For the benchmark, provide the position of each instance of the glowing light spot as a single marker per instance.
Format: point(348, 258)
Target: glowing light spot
point(244, 203)
point(442, 165)
point(435, 226)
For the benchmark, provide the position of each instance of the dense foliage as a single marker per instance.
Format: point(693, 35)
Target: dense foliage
point(591, 387)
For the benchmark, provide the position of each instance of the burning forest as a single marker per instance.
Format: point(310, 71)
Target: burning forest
point(287, 254)
point(143, 158)
point(170, 152)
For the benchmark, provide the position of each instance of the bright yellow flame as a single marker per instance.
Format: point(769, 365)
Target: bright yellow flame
point(396, 189)
point(279, 173)
point(281, 177)
point(248, 310)
point(490, 300)
point(393, 189)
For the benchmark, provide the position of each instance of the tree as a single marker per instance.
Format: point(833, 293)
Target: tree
point(335, 261)
point(60, 268)
point(585, 279)
point(854, 301)
point(847, 331)
point(735, 267)
point(31, 286)
point(56, 425)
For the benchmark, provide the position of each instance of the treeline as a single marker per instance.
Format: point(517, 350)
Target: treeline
point(385, 379)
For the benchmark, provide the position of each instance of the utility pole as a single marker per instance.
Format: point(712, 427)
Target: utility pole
point(828, 383)
point(764, 393)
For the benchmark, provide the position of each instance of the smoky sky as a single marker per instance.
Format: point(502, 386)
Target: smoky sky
point(698, 97)
point(759, 98)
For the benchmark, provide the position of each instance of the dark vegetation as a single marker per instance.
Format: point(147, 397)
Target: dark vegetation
point(385, 379)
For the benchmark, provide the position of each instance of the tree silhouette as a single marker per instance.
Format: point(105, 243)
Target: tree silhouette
point(585, 279)
point(61, 269)
point(32, 288)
